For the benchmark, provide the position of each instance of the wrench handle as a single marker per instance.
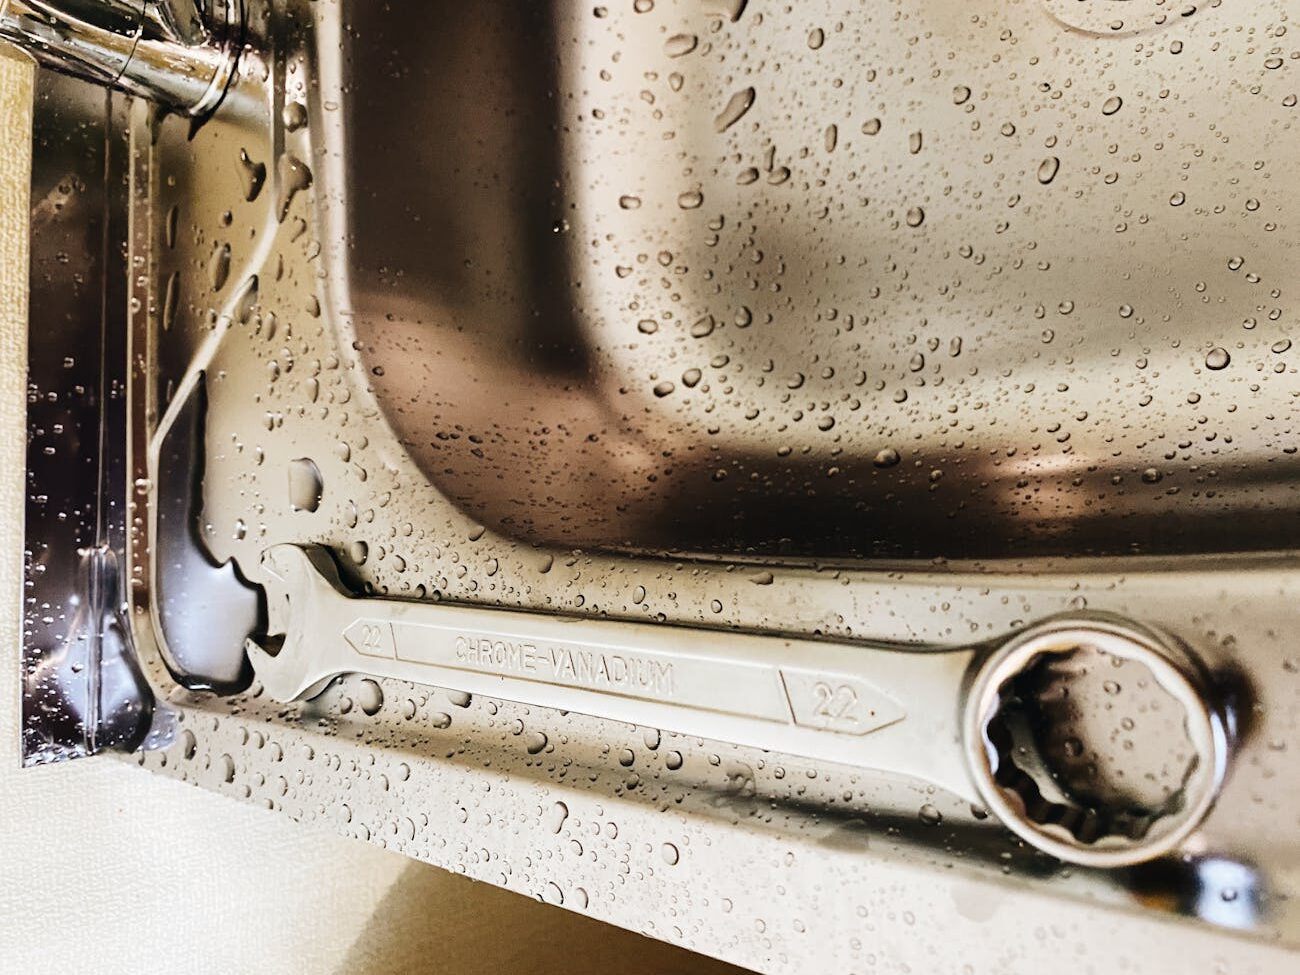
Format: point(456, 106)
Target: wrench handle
point(889, 709)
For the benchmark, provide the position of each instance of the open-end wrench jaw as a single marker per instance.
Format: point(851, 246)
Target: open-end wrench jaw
point(886, 707)
point(297, 581)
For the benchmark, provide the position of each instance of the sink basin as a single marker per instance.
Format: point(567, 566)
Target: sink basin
point(832, 280)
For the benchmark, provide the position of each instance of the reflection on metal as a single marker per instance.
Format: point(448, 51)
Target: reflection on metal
point(83, 691)
point(89, 692)
point(205, 611)
point(180, 53)
point(898, 358)
point(637, 334)
point(1224, 892)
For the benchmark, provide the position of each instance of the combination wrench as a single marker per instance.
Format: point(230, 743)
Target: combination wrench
point(931, 714)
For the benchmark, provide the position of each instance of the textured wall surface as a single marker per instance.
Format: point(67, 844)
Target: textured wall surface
point(108, 869)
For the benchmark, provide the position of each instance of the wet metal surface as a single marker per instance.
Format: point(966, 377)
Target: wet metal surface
point(82, 690)
point(957, 283)
point(968, 316)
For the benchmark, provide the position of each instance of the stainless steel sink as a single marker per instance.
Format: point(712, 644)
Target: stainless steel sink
point(915, 325)
point(941, 281)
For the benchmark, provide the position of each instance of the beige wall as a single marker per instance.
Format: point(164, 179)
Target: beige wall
point(105, 868)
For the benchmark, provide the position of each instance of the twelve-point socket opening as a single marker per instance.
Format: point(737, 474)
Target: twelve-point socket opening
point(1095, 741)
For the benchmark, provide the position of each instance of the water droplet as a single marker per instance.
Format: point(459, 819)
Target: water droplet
point(171, 226)
point(915, 217)
point(670, 854)
point(679, 45)
point(930, 815)
point(629, 202)
point(1178, 199)
point(691, 200)
point(219, 266)
point(459, 699)
point(306, 485)
point(1047, 169)
point(1217, 358)
point(703, 327)
point(294, 178)
point(960, 95)
point(246, 301)
point(886, 457)
point(731, 9)
point(736, 107)
point(254, 174)
point(370, 696)
point(555, 817)
point(171, 300)
point(1111, 105)
point(294, 116)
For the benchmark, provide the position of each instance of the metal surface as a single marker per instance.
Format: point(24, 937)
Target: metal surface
point(926, 298)
point(179, 53)
point(904, 326)
point(82, 690)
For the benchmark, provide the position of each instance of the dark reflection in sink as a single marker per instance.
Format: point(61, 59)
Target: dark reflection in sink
point(206, 609)
point(880, 312)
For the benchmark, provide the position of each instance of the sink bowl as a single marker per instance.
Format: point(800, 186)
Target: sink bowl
point(832, 280)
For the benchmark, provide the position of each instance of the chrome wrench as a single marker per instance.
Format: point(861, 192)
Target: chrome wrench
point(925, 713)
